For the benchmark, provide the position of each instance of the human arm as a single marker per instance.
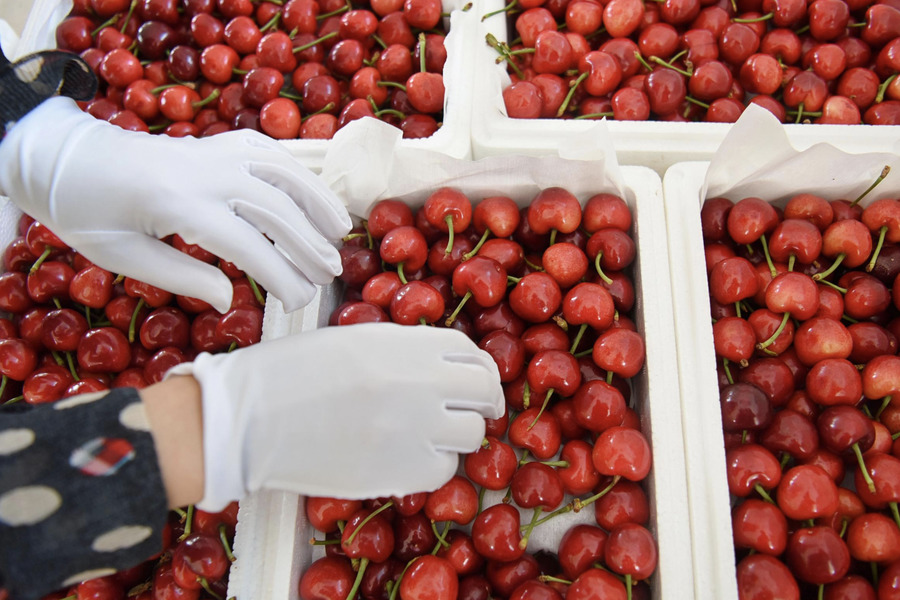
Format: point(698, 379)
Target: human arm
point(355, 411)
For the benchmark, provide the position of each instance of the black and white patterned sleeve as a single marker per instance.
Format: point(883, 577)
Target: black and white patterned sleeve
point(27, 82)
point(81, 493)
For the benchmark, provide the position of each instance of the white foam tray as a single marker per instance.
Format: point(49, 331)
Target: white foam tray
point(453, 137)
point(654, 144)
point(272, 534)
point(685, 189)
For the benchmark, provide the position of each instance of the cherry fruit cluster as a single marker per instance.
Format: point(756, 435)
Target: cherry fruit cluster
point(293, 69)
point(71, 327)
point(825, 61)
point(804, 301)
point(546, 290)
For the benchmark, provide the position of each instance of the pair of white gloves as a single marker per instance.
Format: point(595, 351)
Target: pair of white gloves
point(358, 411)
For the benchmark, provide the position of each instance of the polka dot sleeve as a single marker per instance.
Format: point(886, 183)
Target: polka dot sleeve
point(81, 494)
point(26, 83)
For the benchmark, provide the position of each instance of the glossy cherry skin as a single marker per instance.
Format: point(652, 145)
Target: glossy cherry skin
point(495, 533)
point(764, 577)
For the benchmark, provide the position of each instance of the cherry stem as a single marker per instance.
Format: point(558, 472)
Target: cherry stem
point(763, 493)
point(837, 262)
point(552, 579)
point(3, 381)
point(628, 585)
point(474, 251)
point(14, 399)
point(394, 84)
point(879, 179)
point(133, 323)
point(609, 377)
point(799, 113)
point(572, 87)
point(642, 60)
point(272, 24)
point(599, 269)
point(791, 260)
point(785, 459)
point(211, 98)
point(543, 407)
point(874, 566)
point(400, 274)
point(309, 45)
point(526, 395)
point(895, 512)
point(396, 586)
point(578, 337)
point(727, 369)
point(422, 52)
point(188, 522)
point(523, 543)
point(318, 542)
point(449, 221)
point(256, 291)
point(884, 404)
point(578, 503)
point(841, 290)
point(765, 247)
point(71, 364)
point(881, 233)
point(40, 260)
point(125, 21)
point(862, 467)
point(505, 9)
point(774, 336)
point(764, 17)
point(363, 563)
point(441, 536)
point(503, 50)
point(368, 518)
point(594, 115)
point(693, 100)
point(333, 13)
point(821, 593)
point(327, 108)
point(458, 308)
point(565, 508)
point(660, 61)
point(481, 493)
point(737, 308)
point(879, 96)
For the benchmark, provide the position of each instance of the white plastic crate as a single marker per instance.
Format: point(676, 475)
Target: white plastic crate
point(272, 540)
point(756, 159)
point(452, 138)
point(654, 144)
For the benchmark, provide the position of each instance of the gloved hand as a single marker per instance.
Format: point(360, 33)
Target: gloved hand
point(356, 411)
point(112, 194)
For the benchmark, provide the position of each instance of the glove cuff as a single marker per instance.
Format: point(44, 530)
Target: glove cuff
point(223, 464)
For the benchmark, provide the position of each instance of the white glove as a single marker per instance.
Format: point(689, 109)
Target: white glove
point(357, 411)
point(112, 194)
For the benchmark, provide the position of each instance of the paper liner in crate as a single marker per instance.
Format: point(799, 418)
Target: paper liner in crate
point(272, 540)
point(756, 158)
point(452, 138)
point(656, 144)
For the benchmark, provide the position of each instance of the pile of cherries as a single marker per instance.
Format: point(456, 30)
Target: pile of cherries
point(71, 328)
point(804, 301)
point(824, 61)
point(291, 69)
point(547, 291)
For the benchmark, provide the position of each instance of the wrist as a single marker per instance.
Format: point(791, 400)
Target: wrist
point(174, 411)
